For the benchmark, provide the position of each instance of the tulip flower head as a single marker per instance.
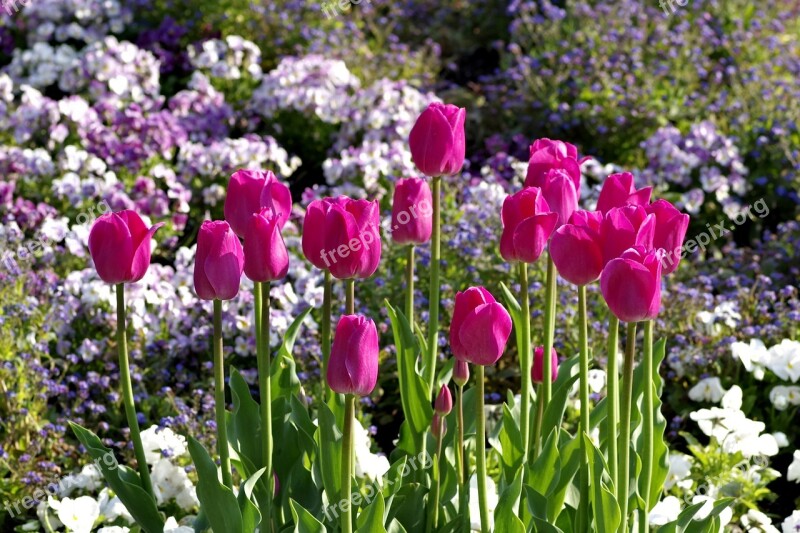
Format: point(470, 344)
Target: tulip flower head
point(444, 401)
point(219, 262)
point(251, 191)
point(671, 226)
point(546, 155)
point(618, 191)
point(625, 227)
point(631, 284)
point(119, 244)
point(577, 248)
point(353, 364)
point(265, 255)
point(460, 372)
point(537, 370)
point(412, 215)
point(437, 140)
point(561, 193)
point(480, 327)
point(527, 225)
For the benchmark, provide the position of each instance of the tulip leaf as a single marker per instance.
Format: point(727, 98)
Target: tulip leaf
point(537, 503)
point(505, 515)
point(304, 521)
point(510, 440)
point(547, 461)
point(218, 502)
point(605, 509)
point(244, 429)
point(569, 461)
point(370, 520)
point(554, 412)
point(283, 369)
point(660, 457)
point(251, 516)
point(329, 440)
point(123, 481)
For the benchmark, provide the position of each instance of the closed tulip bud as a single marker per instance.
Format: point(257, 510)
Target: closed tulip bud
point(444, 401)
point(314, 230)
point(537, 370)
point(631, 284)
point(671, 226)
point(460, 372)
point(438, 141)
point(438, 426)
point(265, 255)
point(547, 155)
point(250, 191)
point(412, 215)
point(276, 484)
point(527, 225)
point(625, 227)
point(119, 244)
point(219, 262)
point(480, 327)
point(353, 364)
point(577, 248)
point(618, 191)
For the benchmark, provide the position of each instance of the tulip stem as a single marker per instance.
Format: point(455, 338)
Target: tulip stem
point(463, 507)
point(612, 390)
point(437, 474)
point(219, 397)
point(536, 428)
point(480, 453)
point(264, 385)
point(625, 424)
point(127, 392)
point(347, 461)
point(325, 328)
point(525, 360)
point(350, 296)
point(583, 509)
point(549, 332)
point(433, 299)
point(647, 416)
point(410, 286)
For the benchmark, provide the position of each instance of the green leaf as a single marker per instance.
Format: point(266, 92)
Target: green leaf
point(505, 515)
point(510, 444)
point(546, 466)
point(567, 467)
point(304, 521)
point(554, 412)
point(283, 369)
point(370, 520)
point(660, 449)
point(606, 511)
point(251, 516)
point(244, 429)
point(123, 481)
point(218, 502)
point(329, 440)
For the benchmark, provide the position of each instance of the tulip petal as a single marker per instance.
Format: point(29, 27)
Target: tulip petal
point(466, 302)
point(111, 248)
point(224, 266)
point(431, 142)
point(313, 240)
point(484, 333)
point(631, 290)
point(531, 236)
point(141, 256)
point(277, 197)
point(265, 255)
point(577, 254)
point(340, 228)
point(361, 359)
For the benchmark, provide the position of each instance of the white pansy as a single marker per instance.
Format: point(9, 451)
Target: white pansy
point(707, 390)
point(78, 515)
point(112, 507)
point(156, 440)
point(88, 479)
point(792, 523)
point(785, 360)
point(680, 466)
point(733, 398)
point(708, 505)
point(781, 439)
point(597, 380)
point(754, 356)
point(474, 506)
point(113, 529)
point(368, 464)
point(793, 474)
point(782, 396)
point(665, 511)
point(170, 482)
point(756, 521)
point(172, 526)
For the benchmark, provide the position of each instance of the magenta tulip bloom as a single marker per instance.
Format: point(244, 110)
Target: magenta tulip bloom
point(577, 248)
point(412, 211)
point(444, 401)
point(353, 366)
point(671, 226)
point(315, 229)
point(119, 244)
point(265, 255)
point(527, 225)
point(625, 227)
point(218, 263)
point(547, 155)
point(631, 284)
point(560, 192)
point(437, 140)
point(618, 191)
point(250, 191)
point(537, 370)
point(460, 372)
point(480, 327)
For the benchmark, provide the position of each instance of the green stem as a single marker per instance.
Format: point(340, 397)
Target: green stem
point(264, 385)
point(625, 424)
point(463, 508)
point(325, 330)
point(350, 296)
point(219, 398)
point(127, 392)
point(525, 359)
point(536, 427)
point(612, 390)
point(549, 333)
point(480, 454)
point(437, 474)
point(410, 286)
point(648, 420)
point(433, 297)
point(583, 509)
point(347, 461)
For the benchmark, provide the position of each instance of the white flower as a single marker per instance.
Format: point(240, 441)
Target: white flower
point(785, 360)
point(680, 466)
point(368, 464)
point(80, 514)
point(171, 482)
point(112, 508)
point(733, 398)
point(707, 390)
point(781, 439)
point(708, 505)
point(113, 529)
point(665, 511)
point(171, 526)
point(792, 523)
point(782, 396)
point(474, 506)
point(89, 479)
point(793, 474)
point(597, 380)
point(754, 356)
point(155, 440)
point(756, 521)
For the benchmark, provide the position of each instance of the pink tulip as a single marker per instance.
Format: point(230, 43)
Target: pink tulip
point(624, 227)
point(353, 365)
point(265, 255)
point(444, 401)
point(537, 370)
point(315, 228)
point(560, 192)
point(437, 140)
point(250, 191)
point(547, 155)
point(218, 263)
point(631, 284)
point(119, 244)
point(671, 226)
point(436, 431)
point(480, 327)
point(618, 190)
point(577, 248)
point(460, 372)
point(527, 225)
point(412, 215)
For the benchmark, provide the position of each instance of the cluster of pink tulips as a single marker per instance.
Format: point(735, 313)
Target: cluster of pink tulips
point(627, 244)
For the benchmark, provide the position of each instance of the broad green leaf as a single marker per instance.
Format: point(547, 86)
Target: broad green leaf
point(545, 470)
point(370, 520)
point(554, 412)
point(329, 440)
point(251, 516)
point(567, 467)
point(217, 500)
point(510, 440)
point(505, 515)
point(605, 509)
point(537, 503)
point(304, 521)
point(283, 369)
point(123, 481)
point(244, 429)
